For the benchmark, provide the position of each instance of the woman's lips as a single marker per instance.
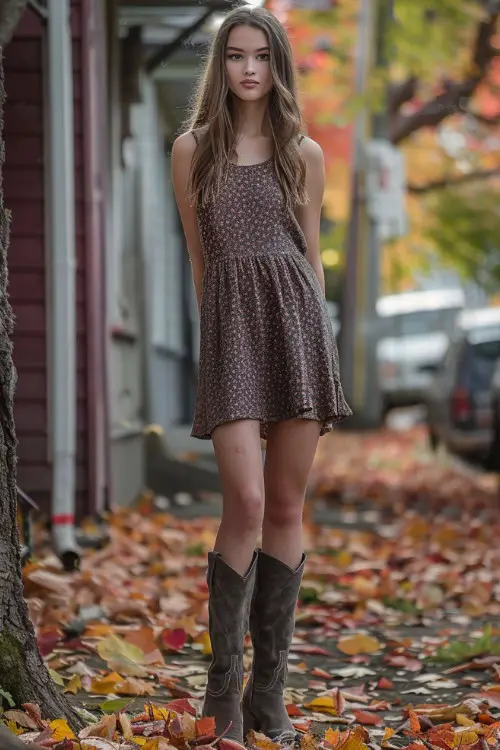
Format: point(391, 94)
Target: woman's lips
point(249, 84)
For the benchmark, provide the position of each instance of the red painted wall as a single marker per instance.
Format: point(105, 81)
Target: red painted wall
point(26, 195)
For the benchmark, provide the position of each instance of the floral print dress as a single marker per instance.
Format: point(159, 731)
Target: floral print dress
point(267, 348)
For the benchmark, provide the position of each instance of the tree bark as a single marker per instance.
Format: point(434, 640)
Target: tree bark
point(456, 95)
point(446, 182)
point(10, 15)
point(22, 671)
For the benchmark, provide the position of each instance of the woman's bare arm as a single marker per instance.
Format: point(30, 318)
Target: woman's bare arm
point(309, 215)
point(182, 154)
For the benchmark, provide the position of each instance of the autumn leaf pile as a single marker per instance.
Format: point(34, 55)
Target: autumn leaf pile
point(395, 642)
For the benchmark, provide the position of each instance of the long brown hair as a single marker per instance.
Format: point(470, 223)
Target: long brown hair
point(212, 112)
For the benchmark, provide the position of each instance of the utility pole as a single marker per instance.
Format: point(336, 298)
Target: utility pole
point(359, 333)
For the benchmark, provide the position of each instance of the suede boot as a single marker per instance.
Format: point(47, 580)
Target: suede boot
point(272, 622)
point(229, 601)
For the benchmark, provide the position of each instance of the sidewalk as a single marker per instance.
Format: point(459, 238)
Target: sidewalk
point(392, 615)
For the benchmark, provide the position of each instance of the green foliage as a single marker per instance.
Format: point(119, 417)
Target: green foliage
point(334, 238)
point(426, 35)
point(401, 605)
point(460, 651)
point(6, 697)
point(465, 229)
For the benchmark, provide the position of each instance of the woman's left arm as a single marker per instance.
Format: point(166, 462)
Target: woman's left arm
point(309, 215)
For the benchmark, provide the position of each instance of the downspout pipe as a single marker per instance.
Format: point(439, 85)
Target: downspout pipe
point(63, 284)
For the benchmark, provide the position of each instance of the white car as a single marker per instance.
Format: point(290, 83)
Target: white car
point(415, 330)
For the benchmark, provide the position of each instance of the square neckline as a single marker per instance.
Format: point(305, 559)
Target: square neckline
point(256, 164)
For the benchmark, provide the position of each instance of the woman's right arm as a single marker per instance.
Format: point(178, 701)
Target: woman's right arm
point(182, 155)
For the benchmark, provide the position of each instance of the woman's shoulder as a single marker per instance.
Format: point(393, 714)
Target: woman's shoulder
point(311, 150)
point(185, 144)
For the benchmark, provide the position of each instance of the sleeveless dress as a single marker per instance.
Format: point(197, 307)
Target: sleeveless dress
point(267, 348)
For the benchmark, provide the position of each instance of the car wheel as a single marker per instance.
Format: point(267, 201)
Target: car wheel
point(433, 440)
point(493, 461)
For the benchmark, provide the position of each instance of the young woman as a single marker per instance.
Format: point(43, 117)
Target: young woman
point(249, 188)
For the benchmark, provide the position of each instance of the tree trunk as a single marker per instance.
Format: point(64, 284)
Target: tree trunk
point(10, 14)
point(22, 671)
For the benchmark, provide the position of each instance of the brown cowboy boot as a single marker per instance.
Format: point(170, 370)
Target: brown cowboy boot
point(229, 605)
point(272, 622)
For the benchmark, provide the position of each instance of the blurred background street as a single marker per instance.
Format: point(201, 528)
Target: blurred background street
point(402, 515)
point(405, 105)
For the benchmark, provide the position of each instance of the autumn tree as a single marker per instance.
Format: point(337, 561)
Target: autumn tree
point(443, 84)
point(22, 671)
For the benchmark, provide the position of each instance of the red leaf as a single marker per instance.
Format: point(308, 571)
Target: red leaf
point(180, 706)
point(384, 684)
point(293, 710)
point(364, 717)
point(47, 641)
point(174, 640)
point(308, 648)
point(406, 662)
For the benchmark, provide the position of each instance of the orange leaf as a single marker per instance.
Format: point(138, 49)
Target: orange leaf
point(205, 727)
point(358, 644)
point(385, 684)
point(414, 722)
point(365, 717)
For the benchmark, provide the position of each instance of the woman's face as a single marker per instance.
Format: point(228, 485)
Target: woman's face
point(247, 63)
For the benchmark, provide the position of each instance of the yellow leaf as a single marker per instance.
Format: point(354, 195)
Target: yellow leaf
point(358, 644)
point(388, 733)
point(464, 720)
point(204, 639)
point(141, 741)
point(74, 685)
point(159, 713)
point(12, 726)
point(325, 705)
point(122, 656)
point(61, 730)
point(332, 736)
point(464, 738)
point(356, 740)
point(105, 685)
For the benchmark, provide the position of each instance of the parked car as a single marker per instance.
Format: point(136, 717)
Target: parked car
point(414, 334)
point(459, 401)
point(493, 463)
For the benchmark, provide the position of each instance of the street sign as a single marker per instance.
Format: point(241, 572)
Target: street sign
point(386, 188)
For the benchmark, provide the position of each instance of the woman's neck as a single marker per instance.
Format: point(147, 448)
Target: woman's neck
point(251, 119)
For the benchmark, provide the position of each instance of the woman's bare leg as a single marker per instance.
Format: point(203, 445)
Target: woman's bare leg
point(239, 458)
point(291, 446)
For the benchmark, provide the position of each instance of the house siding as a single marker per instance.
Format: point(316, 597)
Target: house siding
point(26, 183)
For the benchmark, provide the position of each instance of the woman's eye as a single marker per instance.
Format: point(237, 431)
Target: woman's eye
point(234, 56)
point(264, 56)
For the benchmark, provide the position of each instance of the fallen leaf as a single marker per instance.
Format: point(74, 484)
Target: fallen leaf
point(358, 644)
point(365, 717)
point(174, 640)
point(61, 730)
point(122, 656)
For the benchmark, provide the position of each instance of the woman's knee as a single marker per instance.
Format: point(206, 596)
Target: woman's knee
point(284, 509)
point(244, 509)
